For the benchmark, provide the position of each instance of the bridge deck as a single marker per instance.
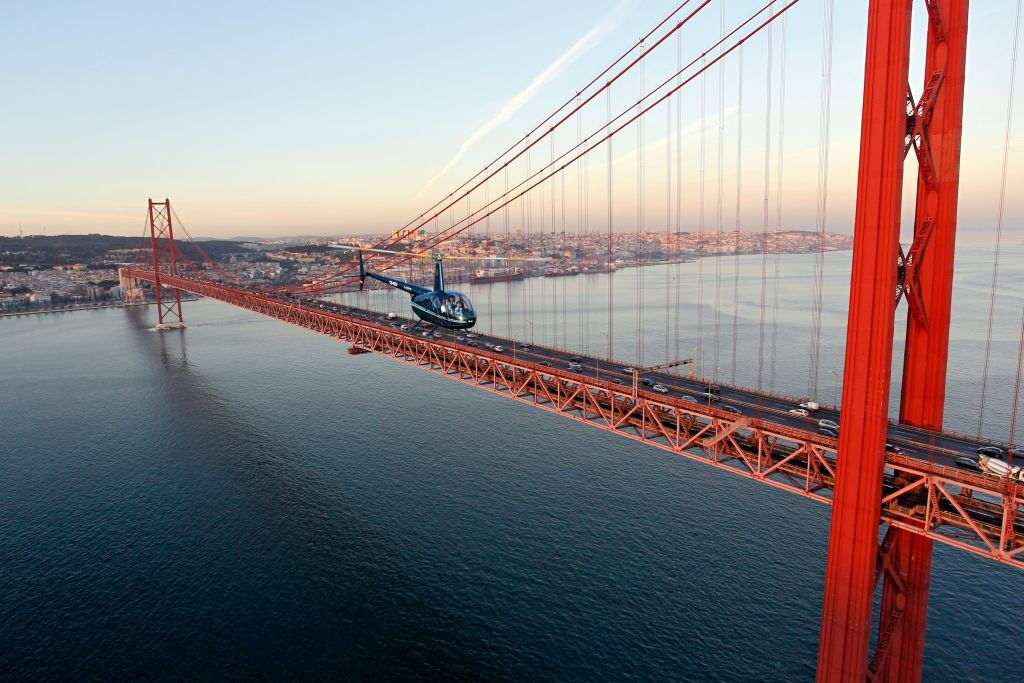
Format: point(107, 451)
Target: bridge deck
point(925, 491)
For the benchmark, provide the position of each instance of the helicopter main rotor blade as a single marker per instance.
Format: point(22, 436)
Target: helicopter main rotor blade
point(414, 254)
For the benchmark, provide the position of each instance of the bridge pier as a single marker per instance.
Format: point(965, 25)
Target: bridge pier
point(131, 288)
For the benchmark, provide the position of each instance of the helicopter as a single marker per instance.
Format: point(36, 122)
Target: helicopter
point(438, 306)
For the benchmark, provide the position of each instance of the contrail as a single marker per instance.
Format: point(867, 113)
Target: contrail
point(592, 36)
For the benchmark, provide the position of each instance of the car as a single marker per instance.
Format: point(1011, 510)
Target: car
point(660, 388)
point(471, 342)
point(576, 359)
point(1016, 452)
point(828, 432)
point(616, 380)
point(689, 399)
point(967, 461)
point(709, 397)
point(460, 338)
point(829, 424)
point(489, 345)
point(713, 389)
point(575, 367)
point(403, 327)
point(893, 448)
point(990, 451)
point(731, 409)
point(470, 335)
point(499, 348)
point(799, 411)
point(648, 382)
point(628, 371)
point(546, 363)
point(524, 347)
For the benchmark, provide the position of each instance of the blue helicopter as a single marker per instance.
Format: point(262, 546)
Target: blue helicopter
point(438, 306)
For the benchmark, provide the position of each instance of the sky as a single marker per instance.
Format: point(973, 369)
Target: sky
point(301, 118)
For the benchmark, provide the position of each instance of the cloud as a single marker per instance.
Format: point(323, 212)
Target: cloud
point(592, 37)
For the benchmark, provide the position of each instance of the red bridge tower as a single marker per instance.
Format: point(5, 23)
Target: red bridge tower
point(161, 233)
point(893, 123)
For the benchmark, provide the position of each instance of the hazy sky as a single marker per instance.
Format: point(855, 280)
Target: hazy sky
point(330, 117)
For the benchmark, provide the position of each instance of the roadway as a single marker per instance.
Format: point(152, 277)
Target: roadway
point(936, 447)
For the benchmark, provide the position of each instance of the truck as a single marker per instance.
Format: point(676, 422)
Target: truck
point(998, 467)
point(811, 406)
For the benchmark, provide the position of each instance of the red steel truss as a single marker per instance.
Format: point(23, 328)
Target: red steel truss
point(966, 510)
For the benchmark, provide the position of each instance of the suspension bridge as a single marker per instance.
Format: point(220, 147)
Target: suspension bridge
point(896, 487)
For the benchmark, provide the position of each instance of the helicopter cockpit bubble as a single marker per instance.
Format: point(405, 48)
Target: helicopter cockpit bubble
point(458, 306)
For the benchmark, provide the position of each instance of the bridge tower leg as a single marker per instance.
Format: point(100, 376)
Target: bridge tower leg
point(892, 124)
point(161, 228)
point(934, 132)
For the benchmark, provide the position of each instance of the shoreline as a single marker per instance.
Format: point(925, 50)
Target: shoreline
point(96, 307)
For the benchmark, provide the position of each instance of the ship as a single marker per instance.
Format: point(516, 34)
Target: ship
point(599, 268)
point(488, 275)
point(561, 271)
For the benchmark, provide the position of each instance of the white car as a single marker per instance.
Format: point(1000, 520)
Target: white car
point(660, 388)
point(829, 424)
point(628, 371)
point(799, 411)
point(499, 349)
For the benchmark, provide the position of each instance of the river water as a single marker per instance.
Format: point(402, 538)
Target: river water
point(243, 499)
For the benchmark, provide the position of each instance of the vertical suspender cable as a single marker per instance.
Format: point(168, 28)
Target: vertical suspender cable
point(668, 228)
point(487, 232)
point(999, 217)
point(736, 233)
point(679, 190)
point(554, 281)
point(526, 205)
point(767, 189)
point(581, 247)
point(611, 307)
point(640, 125)
point(720, 193)
point(821, 214)
point(700, 234)
point(778, 199)
point(508, 291)
point(565, 320)
point(1016, 388)
point(585, 286)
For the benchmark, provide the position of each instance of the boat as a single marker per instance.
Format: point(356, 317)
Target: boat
point(488, 275)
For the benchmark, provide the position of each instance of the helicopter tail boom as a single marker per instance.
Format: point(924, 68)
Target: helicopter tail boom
point(362, 271)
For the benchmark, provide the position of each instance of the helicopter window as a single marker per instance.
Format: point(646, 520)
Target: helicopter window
point(456, 306)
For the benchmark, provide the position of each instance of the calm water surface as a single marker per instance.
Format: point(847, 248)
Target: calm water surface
point(243, 499)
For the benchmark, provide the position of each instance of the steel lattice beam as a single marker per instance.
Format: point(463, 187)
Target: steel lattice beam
point(969, 512)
